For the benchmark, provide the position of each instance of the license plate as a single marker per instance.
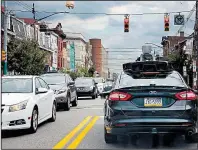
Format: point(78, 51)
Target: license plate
point(153, 102)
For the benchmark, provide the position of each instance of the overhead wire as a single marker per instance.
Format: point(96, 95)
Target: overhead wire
point(103, 13)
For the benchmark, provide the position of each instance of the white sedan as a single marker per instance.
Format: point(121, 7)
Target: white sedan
point(27, 101)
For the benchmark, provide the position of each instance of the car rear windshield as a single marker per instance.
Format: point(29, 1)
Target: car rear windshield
point(17, 85)
point(54, 79)
point(83, 81)
point(172, 79)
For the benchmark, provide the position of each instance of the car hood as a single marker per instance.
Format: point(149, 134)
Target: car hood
point(83, 85)
point(56, 86)
point(15, 98)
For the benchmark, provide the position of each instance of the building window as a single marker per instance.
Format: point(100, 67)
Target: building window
point(59, 61)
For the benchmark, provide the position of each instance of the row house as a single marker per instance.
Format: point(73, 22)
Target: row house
point(80, 47)
point(62, 54)
point(185, 49)
point(71, 55)
point(88, 60)
point(169, 42)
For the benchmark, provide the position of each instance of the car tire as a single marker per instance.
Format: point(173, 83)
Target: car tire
point(94, 97)
point(53, 118)
point(75, 102)
point(188, 138)
point(34, 121)
point(109, 138)
point(67, 104)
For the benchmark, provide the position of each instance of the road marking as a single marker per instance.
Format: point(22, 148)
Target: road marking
point(82, 135)
point(68, 137)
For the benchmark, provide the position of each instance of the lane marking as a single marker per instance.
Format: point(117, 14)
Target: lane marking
point(68, 137)
point(82, 135)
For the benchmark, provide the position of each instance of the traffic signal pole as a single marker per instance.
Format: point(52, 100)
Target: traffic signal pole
point(5, 67)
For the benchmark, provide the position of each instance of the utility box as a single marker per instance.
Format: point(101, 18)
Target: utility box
point(146, 49)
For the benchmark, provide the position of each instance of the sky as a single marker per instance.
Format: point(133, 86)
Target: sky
point(110, 28)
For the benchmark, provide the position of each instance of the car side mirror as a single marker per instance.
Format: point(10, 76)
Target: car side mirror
point(41, 90)
point(105, 94)
point(71, 83)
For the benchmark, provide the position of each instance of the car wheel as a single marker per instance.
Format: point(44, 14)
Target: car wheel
point(67, 104)
point(109, 138)
point(94, 97)
point(75, 102)
point(53, 118)
point(188, 138)
point(34, 121)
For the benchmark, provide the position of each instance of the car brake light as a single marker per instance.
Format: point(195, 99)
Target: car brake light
point(119, 96)
point(186, 95)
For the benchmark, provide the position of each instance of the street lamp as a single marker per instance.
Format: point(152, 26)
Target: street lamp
point(69, 4)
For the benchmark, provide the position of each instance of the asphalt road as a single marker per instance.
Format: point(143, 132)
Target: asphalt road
point(81, 128)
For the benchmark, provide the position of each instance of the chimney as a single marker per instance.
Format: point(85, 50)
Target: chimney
point(182, 33)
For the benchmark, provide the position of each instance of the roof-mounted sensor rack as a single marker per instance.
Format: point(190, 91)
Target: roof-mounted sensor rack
point(147, 68)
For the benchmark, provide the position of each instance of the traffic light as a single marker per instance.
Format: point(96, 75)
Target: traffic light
point(3, 55)
point(126, 24)
point(166, 23)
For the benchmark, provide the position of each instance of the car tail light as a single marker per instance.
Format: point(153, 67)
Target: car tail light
point(119, 96)
point(186, 95)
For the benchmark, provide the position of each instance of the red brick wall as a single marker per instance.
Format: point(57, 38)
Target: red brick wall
point(60, 53)
point(97, 54)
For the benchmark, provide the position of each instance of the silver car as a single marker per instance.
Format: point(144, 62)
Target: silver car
point(64, 89)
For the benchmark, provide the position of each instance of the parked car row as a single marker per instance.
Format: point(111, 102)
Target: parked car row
point(28, 101)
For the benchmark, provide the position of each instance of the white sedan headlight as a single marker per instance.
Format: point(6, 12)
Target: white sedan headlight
point(91, 88)
point(18, 107)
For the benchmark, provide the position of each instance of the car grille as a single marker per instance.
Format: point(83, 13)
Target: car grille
point(81, 89)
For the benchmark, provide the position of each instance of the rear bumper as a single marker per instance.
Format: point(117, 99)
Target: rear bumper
point(142, 126)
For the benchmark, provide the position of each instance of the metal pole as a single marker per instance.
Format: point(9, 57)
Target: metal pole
point(33, 11)
point(5, 67)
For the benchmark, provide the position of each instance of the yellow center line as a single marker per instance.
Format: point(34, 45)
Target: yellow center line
point(82, 135)
point(68, 137)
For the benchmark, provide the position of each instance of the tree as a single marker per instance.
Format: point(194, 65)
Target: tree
point(25, 57)
point(91, 71)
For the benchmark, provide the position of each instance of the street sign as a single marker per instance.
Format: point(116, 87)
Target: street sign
point(178, 19)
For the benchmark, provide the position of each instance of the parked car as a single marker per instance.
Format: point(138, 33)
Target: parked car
point(86, 87)
point(107, 87)
point(27, 101)
point(100, 84)
point(64, 89)
point(149, 97)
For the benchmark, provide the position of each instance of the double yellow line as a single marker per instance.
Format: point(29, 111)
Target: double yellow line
point(61, 144)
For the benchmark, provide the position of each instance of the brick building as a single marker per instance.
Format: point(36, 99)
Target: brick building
point(97, 54)
point(61, 59)
point(169, 43)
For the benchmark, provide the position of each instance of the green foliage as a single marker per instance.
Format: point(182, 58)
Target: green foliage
point(80, 72)
point(25, 57)
point(91, 71)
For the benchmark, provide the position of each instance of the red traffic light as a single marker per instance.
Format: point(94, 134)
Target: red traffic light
point(126, 20)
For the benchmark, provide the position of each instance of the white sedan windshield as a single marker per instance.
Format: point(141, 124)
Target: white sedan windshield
point(17, 85)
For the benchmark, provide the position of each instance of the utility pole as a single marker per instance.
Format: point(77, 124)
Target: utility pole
point(195, 49)
point(5, 67)
point(34, 16)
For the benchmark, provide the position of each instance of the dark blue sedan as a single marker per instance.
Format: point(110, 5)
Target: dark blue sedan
point(148, 97)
